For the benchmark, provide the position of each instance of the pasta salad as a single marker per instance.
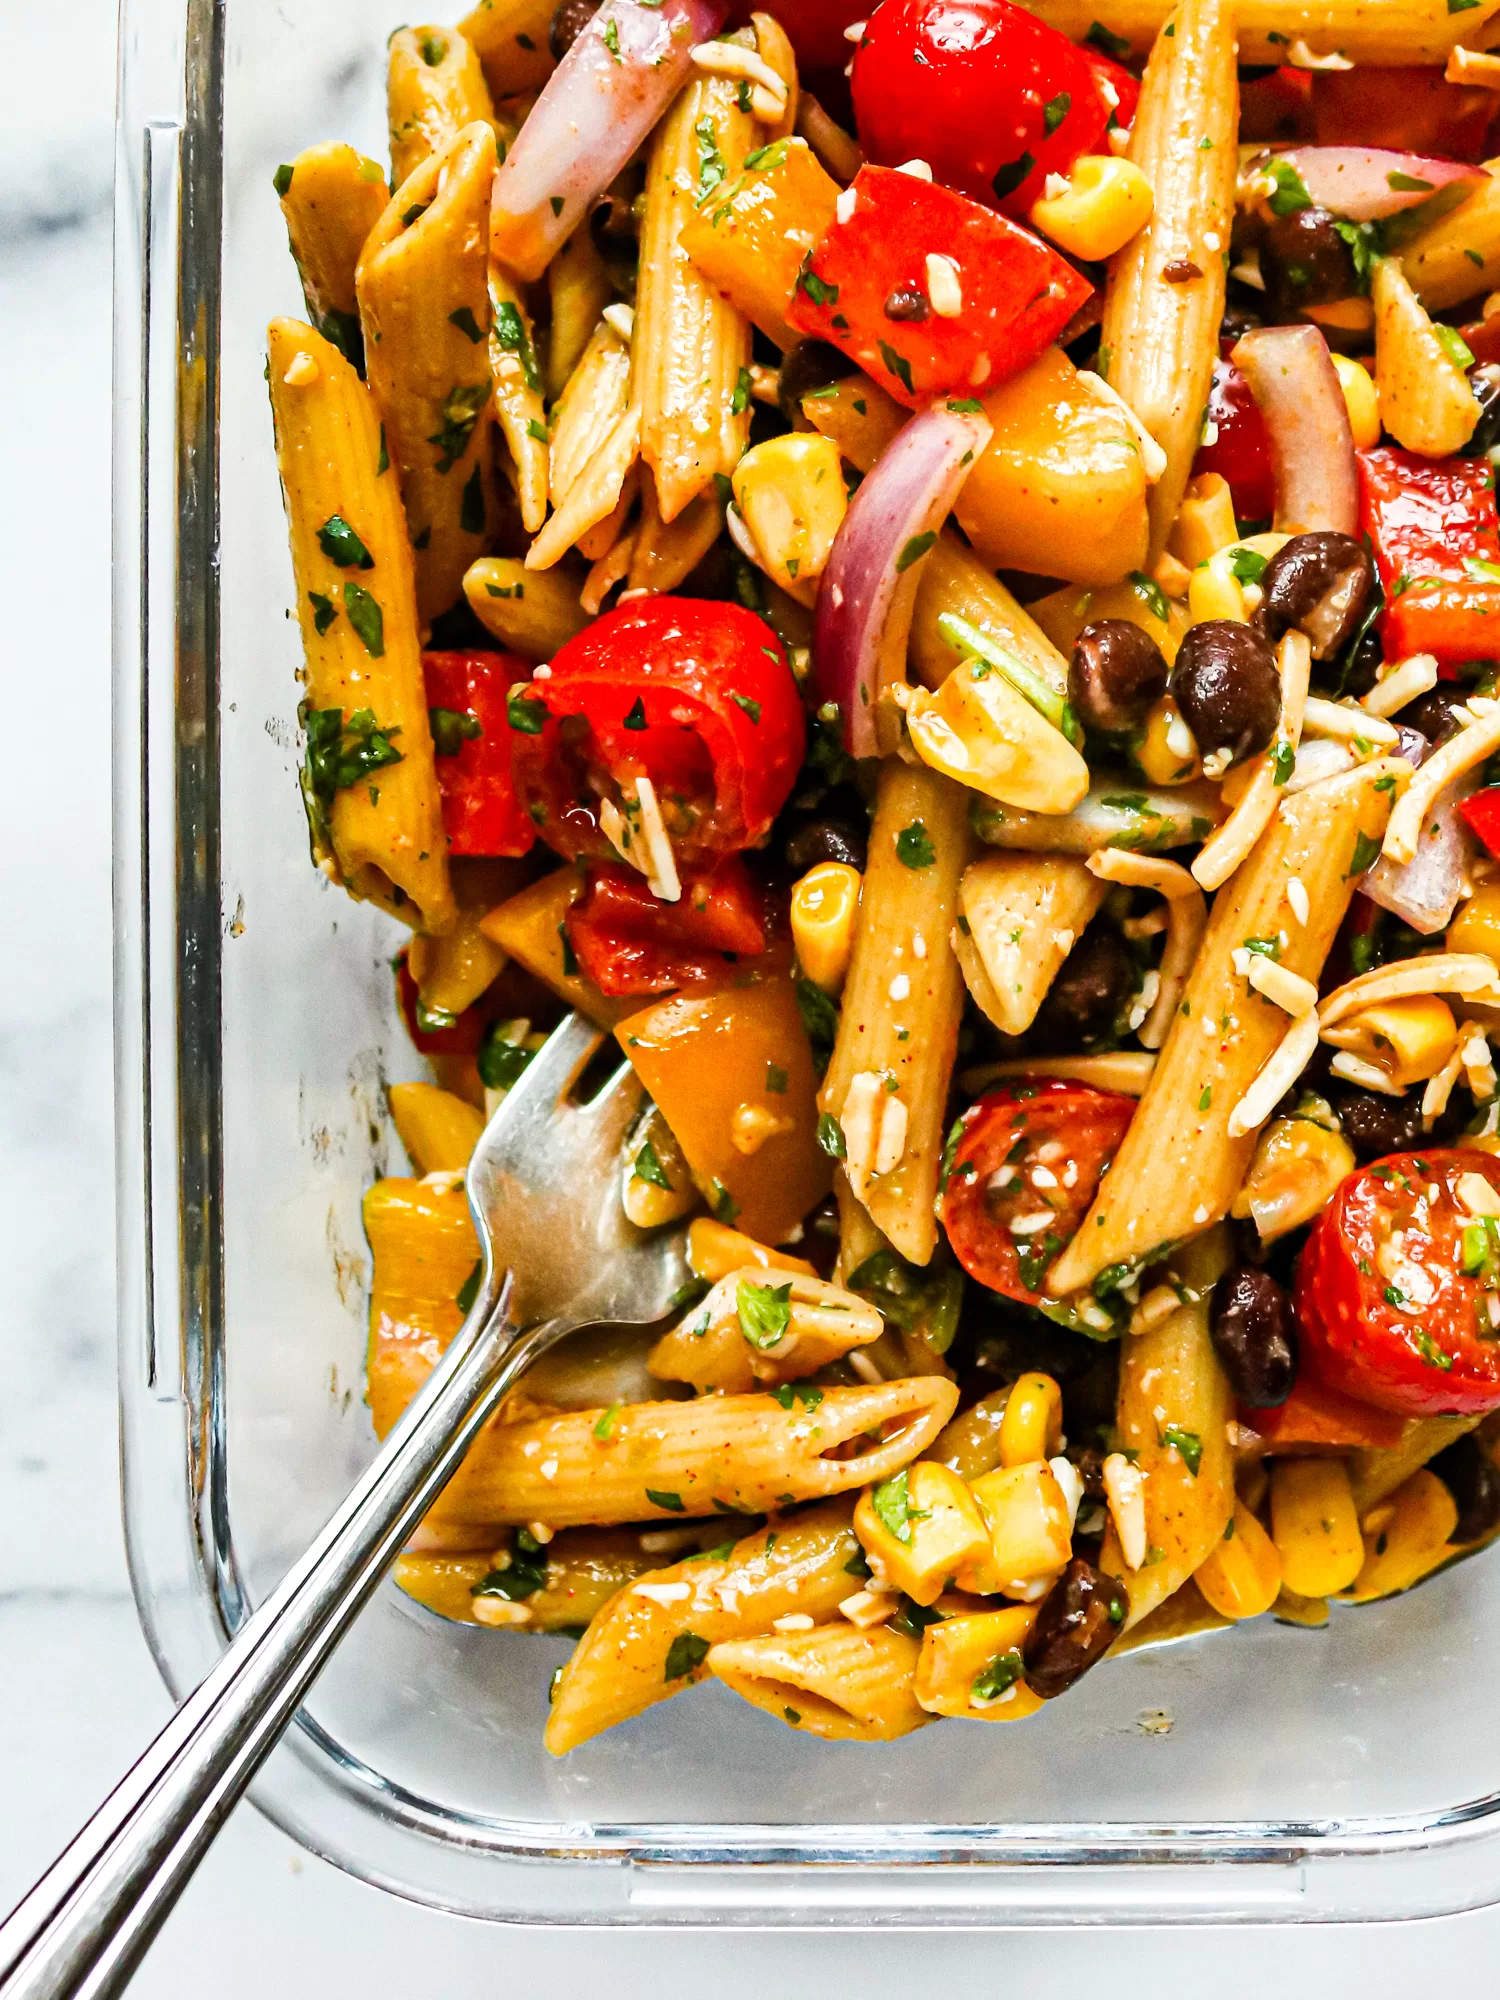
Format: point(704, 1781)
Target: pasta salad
point(933, 574)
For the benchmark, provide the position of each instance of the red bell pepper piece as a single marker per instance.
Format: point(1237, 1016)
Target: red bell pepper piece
point(1480, 812)
point(1435, 536)
point(865, 288)
point(698, 697)
point(1241, 448)
point(1411, 109)
point(990, 97)
point(627, 942)
point(1317, 1418)
point(466, 696)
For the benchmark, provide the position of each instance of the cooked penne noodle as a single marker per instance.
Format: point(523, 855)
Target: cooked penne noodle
point(1019, 915)
point(517, 379)
point(1394, 33)
point(970, 1444)
point(1471, 974)
point(839, 1683)
point(1178, 1168)
point(1457, 257)
point(580, 287)
point(1227, 847)
point(739, 1339)
point(434, 88)
point(531, 612)
point(1373, 1475)
point(510, 38)
point(1187, 918)
point(1426, 402)
point(692, 348)
point(735, 1454)
point(584, 1568)
point(1117, 811)
point(332, 197)
point(667, 552)
point(1173, 1408)
point(640, 1650)
point(1124, 1071)
point(898, 1029)
point(594, 498)
point(776, 51)
point(454, 969)
point(1160, 336)
point(382, 836)
point(424, 307)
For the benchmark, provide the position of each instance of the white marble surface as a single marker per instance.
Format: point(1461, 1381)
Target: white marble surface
point(78, 1694)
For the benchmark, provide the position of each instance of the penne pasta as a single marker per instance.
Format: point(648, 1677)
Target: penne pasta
point(510, 38)
point(1160, 335)
point(1426, 402)
point(887, 1084)
point(594, 398)
point(1373, 1475)
point(581, 1570)
point(1019, 915)
point(519, 411)
point(579, 287)
point(745, 1336)
point(665, 553)
point(531, 612)
point(844, 1685)
point(1457, 257)
point(424, 307)
point(593, 498)
point(1172, 1413)
point(643, 1649)
point(692, 348)
point(332, 197)
point(1395, 33)
point(434, 88)
point(720, 1454)
point(369, 781)
point(1179, 1168)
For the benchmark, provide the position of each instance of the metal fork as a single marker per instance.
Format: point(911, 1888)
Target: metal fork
point(558, 1254)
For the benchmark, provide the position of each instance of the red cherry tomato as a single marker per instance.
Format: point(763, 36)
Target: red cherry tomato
point(815, 27)
point(1411, 110)
point(1388, 1309)
point(1023, 1151)
point(697, 697)
point(461, 1039)
point(1241, 450)
point(989, 96)
point(627, 942)
point(466, 697)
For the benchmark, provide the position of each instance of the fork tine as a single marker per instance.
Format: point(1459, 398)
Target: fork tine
point(554, 1069)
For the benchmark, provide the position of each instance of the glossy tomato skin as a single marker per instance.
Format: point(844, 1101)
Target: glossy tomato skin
point(1397, 1323)
point(997, 1148)
point(627, 942)
point(481, 813)
point(1241, 450)
point(697, 696)
point(989, 96)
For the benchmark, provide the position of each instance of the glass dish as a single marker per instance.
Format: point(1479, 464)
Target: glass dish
point(1353, 1772)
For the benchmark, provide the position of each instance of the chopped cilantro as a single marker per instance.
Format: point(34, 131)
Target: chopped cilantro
point(648, 1167)
point(468, 1291)
point(687, 1651)
point(765, 1312)
point(898, 365)
point(914, 550)
point(1187, 1445)
point(1001, 1674)
point(740, 401)
point(1009, 178)
point(501, 1062)
point(821, 294)
point(342, 546)
point(524, 714)
point(775, 1080)
point(510, 333)
point(341, 754)
point(1150, 593)
point(451, 729)
point(1291, 191)
point(1366, 854)
point(466, 323)
point(891, 1500)
point(914, 848)
point(831, 1136)
point(671, 1503)
point(324, 611)
point(471, 504)
point(461, 408)
point(751, 708)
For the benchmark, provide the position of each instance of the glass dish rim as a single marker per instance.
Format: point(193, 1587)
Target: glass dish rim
point(168, 941)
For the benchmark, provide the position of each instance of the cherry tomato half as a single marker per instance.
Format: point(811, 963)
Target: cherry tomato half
point(989, 96)
point(698, 697)
point(466, 696)
point(627, 942)
point(1398, 1292)
point(1023, 1174)
point(1241, 448)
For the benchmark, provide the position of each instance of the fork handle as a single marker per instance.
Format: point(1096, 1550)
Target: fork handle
point(85, 1925)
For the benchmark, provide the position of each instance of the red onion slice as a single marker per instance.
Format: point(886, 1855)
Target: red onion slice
point(864, 615)
point(599, 105)
point(1364, 183)
point(1296, 387)
point(1424, 892)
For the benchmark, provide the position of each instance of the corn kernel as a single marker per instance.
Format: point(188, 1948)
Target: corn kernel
point(1215, 592)
point(1411, 1541)
point(1167, 753)
point(1030, 1531)
point(978, 730)
point(1242, 1574)
point(824, 905)
point(1031, 1428)
point(1205, 521)
point(983, 1649)
point(438, 1130)
point(1296, 1168)
point(1410, 1039)
point(791, 494)
point(1107, 201)
point(1360, 400)
point(1477, 925)
point(923, 1526)
point(1314, 1525)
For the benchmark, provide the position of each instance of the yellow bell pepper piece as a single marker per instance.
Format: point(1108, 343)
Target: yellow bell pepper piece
point(972, 1667)
point(438, 1130)
point(1030, 1530)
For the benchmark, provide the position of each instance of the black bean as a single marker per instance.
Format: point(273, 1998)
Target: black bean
point(1081, 1615)
point(568, 23)
point(1254, 1335)
point(1485, 382)
point(828, 838)
point(1376, 1125)
point(906, 302)
point(810, 365)
point(1411, 744)
point(1116, 673)
point(1086, 999)
point(1305, 262)
point(613, 222)
point(1088, 1463)
point(1226, 684)
point(1471, 1476)
point(1320, 583)
point(1433, 714)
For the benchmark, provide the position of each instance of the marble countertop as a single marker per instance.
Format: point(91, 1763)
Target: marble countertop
point(81, 1695)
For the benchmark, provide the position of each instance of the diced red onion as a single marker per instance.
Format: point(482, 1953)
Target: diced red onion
point(1364, 183)
point(863, 614)
point(1296, 387)
point(599, 105)
point(1425, 891)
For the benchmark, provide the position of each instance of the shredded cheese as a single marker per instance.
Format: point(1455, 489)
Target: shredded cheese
point(1400, 684)
point(1225, 849)
point(943, 287)
point(1345, 722)
point(730, 59)
point(1473, 744)
point(621, 320)
point(1354, 1069)
point(1286, 989)
point(1300, 56)
point(1469, 973)
point(1296, 895)
point(663, 1593)
point(1286, 1063)
point(865, 1609)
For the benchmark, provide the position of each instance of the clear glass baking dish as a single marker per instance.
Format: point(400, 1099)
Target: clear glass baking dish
point(1353, 1772)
